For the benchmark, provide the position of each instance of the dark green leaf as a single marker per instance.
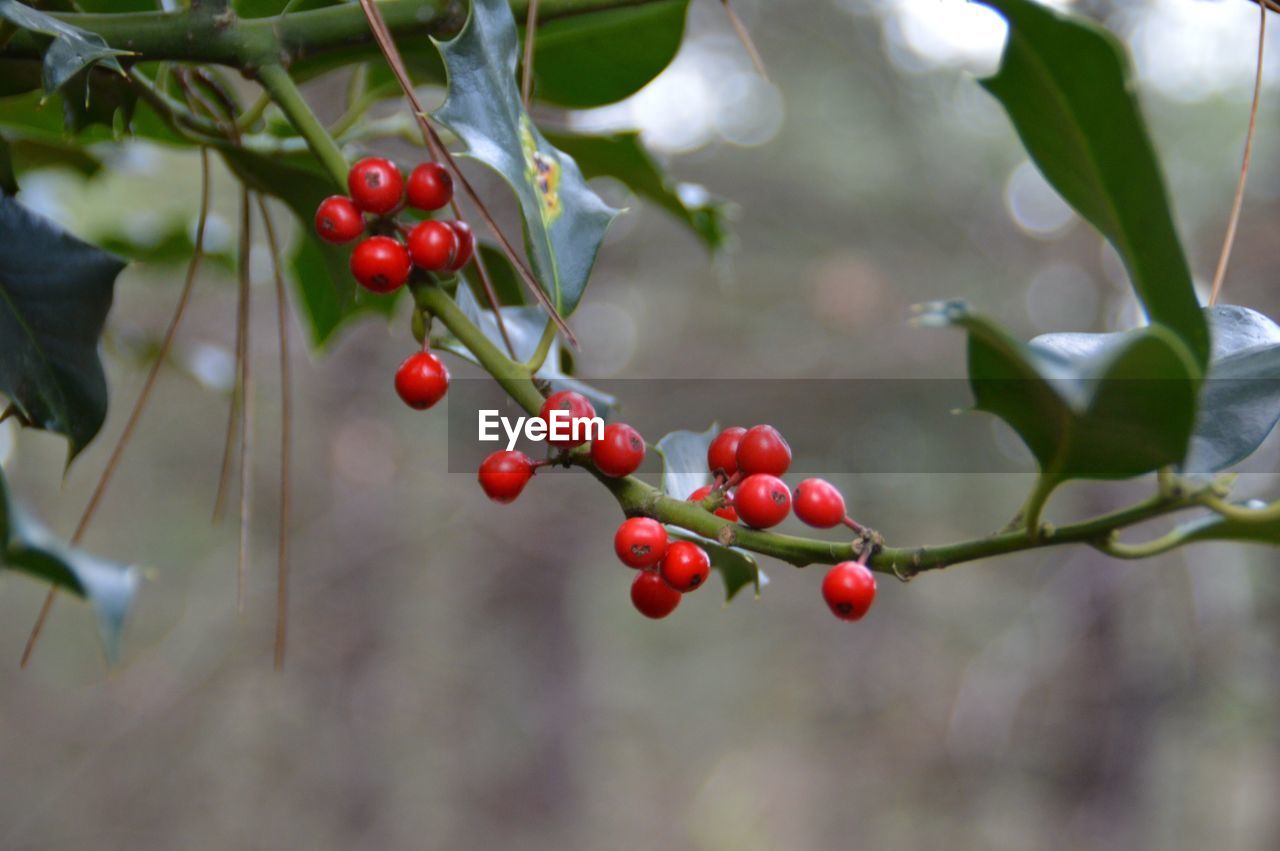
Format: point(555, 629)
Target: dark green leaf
point(55, 291)
point(72, 50)
point(593, 59)
point(564, 221)
point(8, 177)
point(27, 547)
point(327, 292)
point(1111, 411)
point(623, 157)
point(506, 284)
point(1067, 86)
point(1240, 399)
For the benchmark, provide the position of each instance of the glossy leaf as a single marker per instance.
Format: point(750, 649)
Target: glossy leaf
point(623, 157)
point(1239, 401)
point(564, 220)
point(684, 461)
point(328, 294)
point(592, 59)
point(1067, 86)
point(27, 547)
point(72, 50)
point(1110, 411)
point(55, 291)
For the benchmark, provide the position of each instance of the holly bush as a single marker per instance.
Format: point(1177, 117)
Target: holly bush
point(1186, 396)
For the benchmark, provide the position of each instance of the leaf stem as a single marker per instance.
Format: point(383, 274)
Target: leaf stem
point(544, 348)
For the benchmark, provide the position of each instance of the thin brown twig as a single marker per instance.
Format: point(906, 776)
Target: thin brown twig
point(526, 72)
point(1237, 203)
point(438, 150)
point(744, 36)
point(138, 406)
point(286, 440)
point(246, 402)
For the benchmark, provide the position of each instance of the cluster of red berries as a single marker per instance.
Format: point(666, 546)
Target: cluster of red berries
point(382, 262)
point(748, 465)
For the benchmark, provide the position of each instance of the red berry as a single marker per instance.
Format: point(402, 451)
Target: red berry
point(504, 474)
point(579, 412)
point(422, 380)
point(380, 264)
point(762, 500)
point(430, 187)
point(640, 542)
point(432, 245)
point(338, 219)
point(652, 597)
point(726, 511)
point(685, 566)
point(620, 452)
point(819, 504)
point(722, 454)
point(763, 450)
point(375, 185)
point(466, 244)
point(849, 589)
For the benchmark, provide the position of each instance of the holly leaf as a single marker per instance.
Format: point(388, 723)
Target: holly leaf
point(1113, 410)
point(321, 272)
point(593, 59)
point(564, 220)
point(28, 547)
point(55, 291)
point(623, 157)
point(1068, 88)
point(1239, 400)
point(72, 50)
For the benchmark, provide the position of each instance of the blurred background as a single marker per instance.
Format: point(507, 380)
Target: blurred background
point(463, 674)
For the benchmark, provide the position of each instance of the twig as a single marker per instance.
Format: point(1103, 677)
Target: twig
point(526, 71)
point(246, 402)
point(286, 440)
point(437, 147)
point(745, 37)
point(1237, 203)
point(139, 406)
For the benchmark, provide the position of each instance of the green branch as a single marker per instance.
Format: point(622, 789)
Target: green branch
point(277, 82)
point(223, 39)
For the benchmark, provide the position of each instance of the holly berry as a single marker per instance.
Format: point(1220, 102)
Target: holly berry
point(430, 187)
point(578, 409)
point(466, 244)
point(726, 511)
point(432, 245)
point(762, 500)
point(819, 504)
point(619, 452)
point(380, 264)
point(640, 542)
point(653, 597)
point(722, 454)
point(338, 219)
point(763, 450)
point(849, 589)
point(375, 185)
point(685, 566)
point(504, 474)
point(422, 380)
